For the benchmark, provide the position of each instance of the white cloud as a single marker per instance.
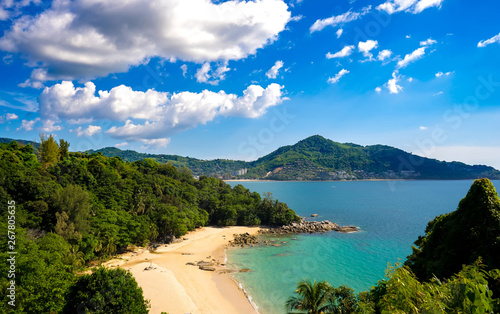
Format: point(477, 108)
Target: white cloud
point(408, 36)
point(428, 42)
point(28, 125)
point(378, 89)
point(346, 51)
point(155, 114)
point(339, 32)
point(30, 83)
point(339, 19)
point(336, 78)
point(412, 57)
point(86, 39)
point(8, 116)
point(484, 43)
point(366, 46)
point(392, 84)
point(438, 93)
point(384, 54)
point(423, 128)
point(49, 126)
point(274, 70)
point(122, 144)
point(413, 6)
point(89, 131)
point(206, 75)
point(425, 4)
point(439, 74)
point(184, 69)
point(155, 143)
point(410, 79)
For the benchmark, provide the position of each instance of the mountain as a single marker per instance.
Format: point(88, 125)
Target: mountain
point(318, 158)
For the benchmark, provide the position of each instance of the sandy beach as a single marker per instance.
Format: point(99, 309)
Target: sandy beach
point(176, 288)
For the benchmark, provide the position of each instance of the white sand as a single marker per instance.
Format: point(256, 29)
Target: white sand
point(177, 288)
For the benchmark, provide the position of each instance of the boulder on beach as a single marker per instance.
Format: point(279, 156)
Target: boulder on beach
point(314, 215)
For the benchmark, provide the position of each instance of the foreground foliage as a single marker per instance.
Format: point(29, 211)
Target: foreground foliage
point(74, 208)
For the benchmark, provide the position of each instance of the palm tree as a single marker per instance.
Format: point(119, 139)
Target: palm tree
point(313, 297)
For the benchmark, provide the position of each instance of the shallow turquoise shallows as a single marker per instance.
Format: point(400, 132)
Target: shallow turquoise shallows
point(391, 215)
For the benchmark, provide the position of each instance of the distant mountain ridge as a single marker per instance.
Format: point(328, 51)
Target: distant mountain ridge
point(318, 158)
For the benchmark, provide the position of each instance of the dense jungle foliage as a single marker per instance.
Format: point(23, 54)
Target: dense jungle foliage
point(75, 208)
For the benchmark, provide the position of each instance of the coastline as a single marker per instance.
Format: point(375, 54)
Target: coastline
point(174, 287)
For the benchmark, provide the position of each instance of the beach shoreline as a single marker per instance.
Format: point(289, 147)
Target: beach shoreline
point(174, 287)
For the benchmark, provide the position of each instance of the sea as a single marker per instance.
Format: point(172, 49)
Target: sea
point(390, 214)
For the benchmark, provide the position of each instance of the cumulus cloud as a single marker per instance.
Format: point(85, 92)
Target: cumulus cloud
point(85, 39)
point(30, 83)
point(423, 128)
point(8, 116)
point(392, 84)
point(428, 42)
point(411, 57)
point(339, 32)
point(366, 46)
point(346, 51)
point(155, 143)
point(89, 131)
point(336, 78)
point(484, 43)
point(205, 74)
point(274, 70)
point(28, 125)
point(384, 54)
point(338, 19)
point(413, 6)
point(153, 114)
point(50, 126)
point(378, 89)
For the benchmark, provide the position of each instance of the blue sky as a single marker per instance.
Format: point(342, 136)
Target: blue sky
point(238, 79)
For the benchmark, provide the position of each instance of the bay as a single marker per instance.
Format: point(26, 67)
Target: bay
point(390, 214)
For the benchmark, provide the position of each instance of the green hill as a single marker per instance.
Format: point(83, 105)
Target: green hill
point(318, 158)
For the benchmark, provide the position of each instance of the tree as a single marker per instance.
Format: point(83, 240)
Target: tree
point(48, 150)
point(106, 291)
point(460, 237)
point(63, 149)
point(313, 297)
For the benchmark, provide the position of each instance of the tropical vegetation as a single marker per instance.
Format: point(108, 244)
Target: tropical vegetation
point(73, 209)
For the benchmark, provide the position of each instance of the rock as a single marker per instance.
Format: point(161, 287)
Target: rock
point(191, 264)
point(244, 270)
point(187, 253)
point(207, 268)
point(203, 263)
point(309, 227)
point(314, 215)
point(243, 239)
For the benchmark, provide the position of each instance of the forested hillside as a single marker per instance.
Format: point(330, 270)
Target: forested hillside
point(75, 208)
point(317, 158)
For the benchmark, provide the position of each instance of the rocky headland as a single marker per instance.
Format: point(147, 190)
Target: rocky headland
point(309, 227)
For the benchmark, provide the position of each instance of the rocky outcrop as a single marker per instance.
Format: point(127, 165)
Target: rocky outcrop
point(310, 227)
point(243, 239)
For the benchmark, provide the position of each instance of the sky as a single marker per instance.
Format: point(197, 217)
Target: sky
point(238, 79)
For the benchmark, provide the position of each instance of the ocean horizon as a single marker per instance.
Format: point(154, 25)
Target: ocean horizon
point(390, 214)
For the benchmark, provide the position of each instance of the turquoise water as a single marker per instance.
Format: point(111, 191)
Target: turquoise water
point(391, 215)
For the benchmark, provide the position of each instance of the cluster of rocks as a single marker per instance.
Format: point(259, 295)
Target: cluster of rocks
point(310, 227)
point(205, 265)
point(244, 239)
